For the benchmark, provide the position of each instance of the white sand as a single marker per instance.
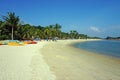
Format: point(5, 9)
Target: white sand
point(69, 63)
point(63, 63)
point(23, 63)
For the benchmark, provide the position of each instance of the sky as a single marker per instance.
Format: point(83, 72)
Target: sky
point(99, 18)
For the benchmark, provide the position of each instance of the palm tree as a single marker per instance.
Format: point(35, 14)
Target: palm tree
point(74, 34)
point(12, 21)
point(26, 33)
point(47, 32)
point(57, 30)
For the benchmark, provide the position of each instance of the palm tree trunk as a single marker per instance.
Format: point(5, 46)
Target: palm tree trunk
point(12, 33)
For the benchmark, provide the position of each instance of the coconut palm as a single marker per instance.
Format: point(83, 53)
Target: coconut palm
point(25, 29)
point(57, 30)
point(74, 34)
point(47, 32)
point(57, 27)
point(12, 21)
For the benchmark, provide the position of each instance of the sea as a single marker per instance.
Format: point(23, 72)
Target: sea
point(104, 47)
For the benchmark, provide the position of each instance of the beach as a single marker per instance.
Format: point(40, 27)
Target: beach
point(23, 63)
point(58, 60)
point(70, 63)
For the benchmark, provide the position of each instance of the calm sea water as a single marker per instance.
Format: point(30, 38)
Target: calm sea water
point(106, 47)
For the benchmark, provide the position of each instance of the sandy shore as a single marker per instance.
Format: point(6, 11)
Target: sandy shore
point(23, 63)
point(55, 61)
point(69, 63)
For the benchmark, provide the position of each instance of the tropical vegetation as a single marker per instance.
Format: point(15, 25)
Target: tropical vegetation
point(12, 28)
point(113, 38)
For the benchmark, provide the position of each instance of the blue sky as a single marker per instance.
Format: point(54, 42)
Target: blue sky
point(92, 17)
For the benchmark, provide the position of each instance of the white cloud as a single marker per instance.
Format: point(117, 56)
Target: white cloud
point(95, 29)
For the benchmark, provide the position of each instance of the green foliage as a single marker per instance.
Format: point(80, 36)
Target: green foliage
point(112, 38)
point(3, 37)
point(12, 21)
point(12, 25)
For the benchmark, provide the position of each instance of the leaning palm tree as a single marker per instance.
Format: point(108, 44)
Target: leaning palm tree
point(12, 21)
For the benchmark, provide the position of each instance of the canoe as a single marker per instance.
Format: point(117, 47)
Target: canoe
point(15, 44)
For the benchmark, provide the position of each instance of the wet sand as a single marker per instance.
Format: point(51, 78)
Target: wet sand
point(69, 63)
point(55, 61)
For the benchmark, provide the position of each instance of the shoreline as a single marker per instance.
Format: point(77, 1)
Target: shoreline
point(59, 60)
point(110, 56)
point(70, 63)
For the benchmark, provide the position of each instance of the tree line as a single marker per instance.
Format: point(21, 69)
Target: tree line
point(11, 28)
point(112, 38)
